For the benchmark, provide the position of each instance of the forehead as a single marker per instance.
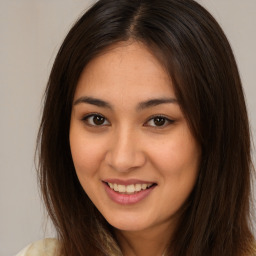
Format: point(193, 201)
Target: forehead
point(125, 69)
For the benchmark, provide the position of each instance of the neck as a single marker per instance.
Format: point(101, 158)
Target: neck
point(150, 242)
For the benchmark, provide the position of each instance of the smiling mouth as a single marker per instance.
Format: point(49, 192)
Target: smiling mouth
point(130, 189)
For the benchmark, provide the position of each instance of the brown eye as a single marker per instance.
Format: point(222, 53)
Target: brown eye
point(98, 120)
point(95, 120)
point(159, 121)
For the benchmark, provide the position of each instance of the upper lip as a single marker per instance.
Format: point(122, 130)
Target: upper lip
point(127, 182)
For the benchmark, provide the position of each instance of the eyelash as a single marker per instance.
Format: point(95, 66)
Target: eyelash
point(101, 118)
point(94, 115)
point(167, 121)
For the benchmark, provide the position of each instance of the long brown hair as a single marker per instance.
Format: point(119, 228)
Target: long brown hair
point(196, 53)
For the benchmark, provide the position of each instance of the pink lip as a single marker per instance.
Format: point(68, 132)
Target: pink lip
point(128, 182)
point(126, 199)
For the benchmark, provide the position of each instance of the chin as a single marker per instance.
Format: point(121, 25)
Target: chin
point(128, 226)
point(127, 222)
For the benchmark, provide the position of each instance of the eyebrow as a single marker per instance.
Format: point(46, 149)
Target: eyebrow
point(155, 102)
point(93, 101)
point(142, 105)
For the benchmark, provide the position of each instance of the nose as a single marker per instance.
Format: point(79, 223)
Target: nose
point(125, 152)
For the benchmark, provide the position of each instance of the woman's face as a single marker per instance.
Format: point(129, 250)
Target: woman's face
point(133, 152)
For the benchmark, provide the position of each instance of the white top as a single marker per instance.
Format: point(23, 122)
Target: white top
point(45, 247)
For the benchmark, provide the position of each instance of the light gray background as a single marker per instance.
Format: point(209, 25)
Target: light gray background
point(30, 33)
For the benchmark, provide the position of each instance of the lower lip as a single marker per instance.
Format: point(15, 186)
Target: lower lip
point(126, 199)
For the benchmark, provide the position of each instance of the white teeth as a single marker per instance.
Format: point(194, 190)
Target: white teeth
point(138, 187)
point(144, 186)
point(121, 188)
point(129, 189)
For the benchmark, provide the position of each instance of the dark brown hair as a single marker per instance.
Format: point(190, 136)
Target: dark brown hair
point(194, 50)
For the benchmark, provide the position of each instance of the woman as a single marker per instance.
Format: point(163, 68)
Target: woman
point(144, 143)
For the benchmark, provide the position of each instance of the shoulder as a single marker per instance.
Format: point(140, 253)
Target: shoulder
point(45, 247)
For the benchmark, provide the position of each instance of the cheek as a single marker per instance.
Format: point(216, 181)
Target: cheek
point(177, 160)
point(86, 154)
point(177, 163)
point(176, 154)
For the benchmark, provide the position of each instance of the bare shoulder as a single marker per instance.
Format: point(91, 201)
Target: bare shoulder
point(45, 247)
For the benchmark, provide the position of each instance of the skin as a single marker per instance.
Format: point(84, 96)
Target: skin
point(129, 144)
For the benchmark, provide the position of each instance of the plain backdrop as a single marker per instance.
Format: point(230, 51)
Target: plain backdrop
point(31, 32)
